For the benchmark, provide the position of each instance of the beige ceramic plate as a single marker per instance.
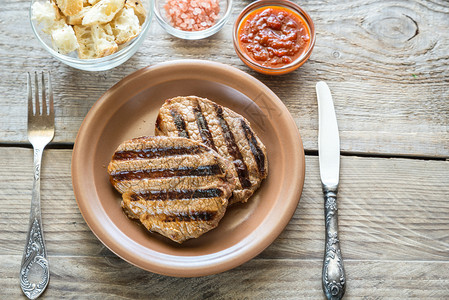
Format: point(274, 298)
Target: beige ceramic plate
point(129, 109)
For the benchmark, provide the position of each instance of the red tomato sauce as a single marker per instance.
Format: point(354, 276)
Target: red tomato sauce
point(274, 36)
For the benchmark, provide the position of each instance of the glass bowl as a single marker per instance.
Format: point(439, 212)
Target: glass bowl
point(260, 65)
point(98, 64)
point(162, 18)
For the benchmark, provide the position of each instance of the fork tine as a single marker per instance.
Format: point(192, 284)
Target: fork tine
point(30, 95)
point(36, 94)
point(50, 95)
point(44, 98)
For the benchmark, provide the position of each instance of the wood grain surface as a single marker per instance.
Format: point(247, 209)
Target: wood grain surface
point(113, 278)
point(386, 63)
point(393, 232)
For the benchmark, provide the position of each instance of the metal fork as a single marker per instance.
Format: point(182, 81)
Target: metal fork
point(34, 272)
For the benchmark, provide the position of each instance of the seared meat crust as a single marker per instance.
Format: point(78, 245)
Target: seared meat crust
point(224, 131)
point(174, 186)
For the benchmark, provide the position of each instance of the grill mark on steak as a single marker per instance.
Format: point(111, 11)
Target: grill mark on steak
point(179, 194)
point(171, 172)
point(179, 123)
point(158, 123)
point(156, 152)
point(255, 149)
point(190, 216)
point(203, 128)
point(233, 149)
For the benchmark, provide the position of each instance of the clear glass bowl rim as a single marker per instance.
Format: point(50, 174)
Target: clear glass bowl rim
point(96, 61)
point(192, 34)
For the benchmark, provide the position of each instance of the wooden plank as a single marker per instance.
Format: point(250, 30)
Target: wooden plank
point(390, 209)
point(387, 74)
point(113, 278)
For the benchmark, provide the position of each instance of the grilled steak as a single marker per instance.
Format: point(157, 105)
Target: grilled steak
point(221, 129)
point(174, 186)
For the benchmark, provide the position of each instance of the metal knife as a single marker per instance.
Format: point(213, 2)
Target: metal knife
point(334, 278)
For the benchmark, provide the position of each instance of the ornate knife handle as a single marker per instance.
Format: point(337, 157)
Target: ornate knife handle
point(34, 272)
point(334, 278)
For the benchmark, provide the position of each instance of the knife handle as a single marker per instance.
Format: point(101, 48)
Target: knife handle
point(334, 278)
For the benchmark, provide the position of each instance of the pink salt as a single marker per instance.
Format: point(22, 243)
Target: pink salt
point(192, 15)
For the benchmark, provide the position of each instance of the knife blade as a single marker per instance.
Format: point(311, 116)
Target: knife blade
point(333, 277)
point(328, 138)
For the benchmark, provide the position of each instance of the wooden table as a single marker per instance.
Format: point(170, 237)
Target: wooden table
point(386, 63)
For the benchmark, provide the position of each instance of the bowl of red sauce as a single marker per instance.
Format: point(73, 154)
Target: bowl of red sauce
point(274, 37)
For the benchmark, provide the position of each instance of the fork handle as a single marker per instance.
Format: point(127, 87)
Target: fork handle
point(34, 272)
point(334, 278)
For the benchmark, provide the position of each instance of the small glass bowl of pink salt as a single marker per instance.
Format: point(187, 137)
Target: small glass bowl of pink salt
point(192, 19)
